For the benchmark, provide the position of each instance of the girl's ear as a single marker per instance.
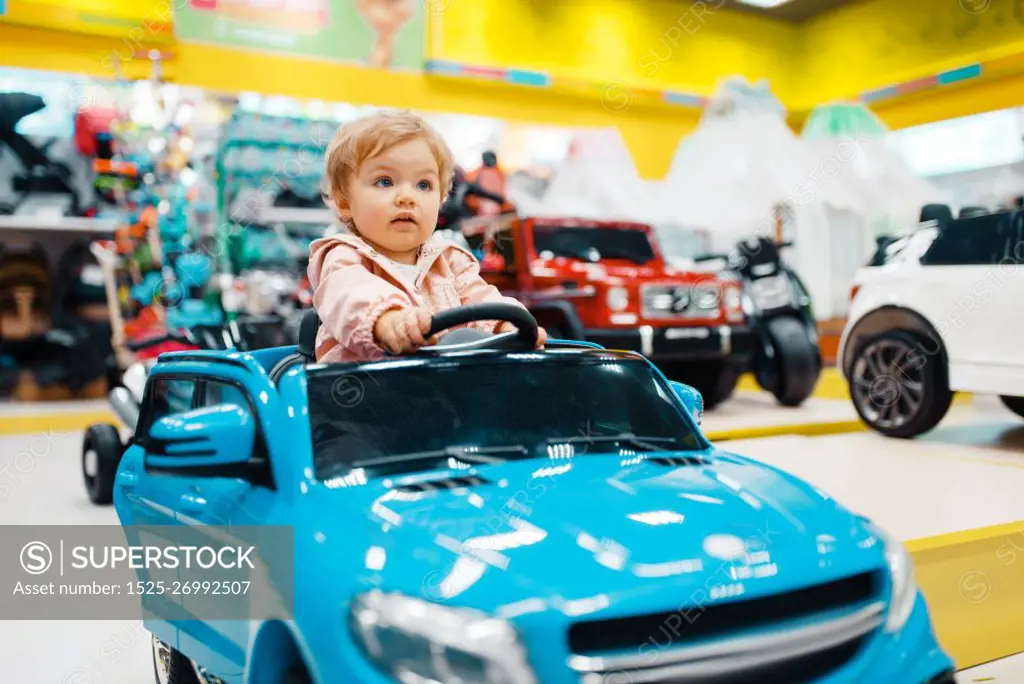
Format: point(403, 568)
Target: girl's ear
point(344, 210)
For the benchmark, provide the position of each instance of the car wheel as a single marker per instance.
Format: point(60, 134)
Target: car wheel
point(170, 667)
point(1015, 404)
point(899, 388)
point(792, 372)
point(101, 453)
point(715, 380)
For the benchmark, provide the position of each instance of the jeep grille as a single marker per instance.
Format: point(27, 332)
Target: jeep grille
point(681, 301)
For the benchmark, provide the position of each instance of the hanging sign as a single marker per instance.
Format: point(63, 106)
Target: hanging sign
point(387, 34)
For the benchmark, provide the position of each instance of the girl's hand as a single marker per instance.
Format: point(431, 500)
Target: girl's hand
point(542, 335)
point(402, 330)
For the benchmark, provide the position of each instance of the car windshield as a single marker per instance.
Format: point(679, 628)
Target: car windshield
point(399, 419)
point(593, 243)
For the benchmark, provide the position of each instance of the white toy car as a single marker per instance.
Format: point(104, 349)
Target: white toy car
point(944, 313)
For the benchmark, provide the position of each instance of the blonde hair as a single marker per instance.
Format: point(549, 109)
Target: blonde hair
point(356, 141)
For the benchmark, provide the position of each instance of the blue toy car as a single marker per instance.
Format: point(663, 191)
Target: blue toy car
point(484, 512)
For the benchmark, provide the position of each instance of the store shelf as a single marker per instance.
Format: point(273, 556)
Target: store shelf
point(67, 224)
point(273, 215)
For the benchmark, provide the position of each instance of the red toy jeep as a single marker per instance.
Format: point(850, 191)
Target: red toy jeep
point(606, 282)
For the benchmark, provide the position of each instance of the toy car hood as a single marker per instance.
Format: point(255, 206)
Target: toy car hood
point(622, 527)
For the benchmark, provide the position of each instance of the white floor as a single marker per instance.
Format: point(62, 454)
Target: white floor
point(1005, 671)
point(968, 473)
point(759, 409)
point(745, 410)
point(914, 489)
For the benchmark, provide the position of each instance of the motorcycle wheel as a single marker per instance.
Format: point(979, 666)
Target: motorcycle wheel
point(791, 373)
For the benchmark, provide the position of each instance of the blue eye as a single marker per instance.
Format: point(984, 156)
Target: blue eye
point(383, 182)
point(425, 186)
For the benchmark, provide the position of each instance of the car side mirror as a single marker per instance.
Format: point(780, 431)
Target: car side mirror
point(211, 437)
point(691, 398)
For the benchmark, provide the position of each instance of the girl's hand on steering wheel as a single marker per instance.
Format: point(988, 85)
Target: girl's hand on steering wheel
point(505, 326)
point(403, 330)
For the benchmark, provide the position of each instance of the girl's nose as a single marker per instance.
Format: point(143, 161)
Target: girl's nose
point(405, 195)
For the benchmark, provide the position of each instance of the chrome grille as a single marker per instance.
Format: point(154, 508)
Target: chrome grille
point(681, 301)
point(798, 636)
point(789, 653)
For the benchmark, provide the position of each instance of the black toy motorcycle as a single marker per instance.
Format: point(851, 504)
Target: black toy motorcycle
point(786, 359)
point(455, 209)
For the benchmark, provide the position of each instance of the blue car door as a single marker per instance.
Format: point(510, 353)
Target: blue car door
point(151, 499)
point(219, 646)
point(150, 496)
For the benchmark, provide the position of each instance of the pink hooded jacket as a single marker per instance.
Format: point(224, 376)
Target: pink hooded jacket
point(353, 285)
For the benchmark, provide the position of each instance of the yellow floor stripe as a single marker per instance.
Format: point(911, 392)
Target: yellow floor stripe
point(973, 582)
point(70, 421)
point(965, 537)
point(831, 385)
point(802, 429)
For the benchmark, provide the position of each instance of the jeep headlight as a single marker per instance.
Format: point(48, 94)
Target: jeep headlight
point(419, 642)
point(904, 588)
point(618, 298)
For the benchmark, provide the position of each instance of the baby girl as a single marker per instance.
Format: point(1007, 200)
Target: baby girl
point(377, 289)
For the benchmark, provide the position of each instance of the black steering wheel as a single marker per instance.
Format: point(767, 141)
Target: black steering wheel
point(524, 337)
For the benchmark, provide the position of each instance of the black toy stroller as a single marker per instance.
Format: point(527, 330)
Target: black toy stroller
point(41, 176)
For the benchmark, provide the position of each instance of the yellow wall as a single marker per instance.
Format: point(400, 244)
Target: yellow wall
point(666, 45)
point(841, 54)
point(877, 43)
point(660, 44)
point(136, 20)
point(651, 132)
point(950, 103)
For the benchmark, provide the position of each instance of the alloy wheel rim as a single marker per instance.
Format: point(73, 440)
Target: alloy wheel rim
point(161, 661)
point(888, 383)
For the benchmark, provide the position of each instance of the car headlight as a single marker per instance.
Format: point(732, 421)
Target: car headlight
point(904, 588)
point(749, 308)
point(732, 299)
point(419, 642)
point(618, 298)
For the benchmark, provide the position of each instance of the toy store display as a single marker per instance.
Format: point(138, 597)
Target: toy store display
point(42, 185)
point(269, 173)
point(599, 180)
point(744, 172)
point(888, 195)
point(54, 334)
point(888, 191)
point(155, 273)
point(742, 165)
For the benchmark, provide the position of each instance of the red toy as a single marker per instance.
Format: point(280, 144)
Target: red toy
point(607, 282)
